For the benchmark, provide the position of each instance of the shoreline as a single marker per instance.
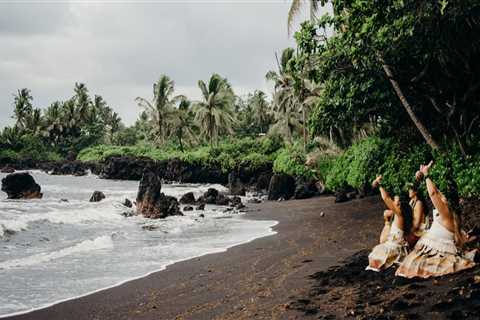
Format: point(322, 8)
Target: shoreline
point(131, 300)
point(48, 305)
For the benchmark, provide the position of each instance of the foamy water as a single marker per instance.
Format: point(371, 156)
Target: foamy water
point(52, 250)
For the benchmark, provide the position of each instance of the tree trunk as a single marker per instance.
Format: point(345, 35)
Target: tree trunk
point(418, 123)
point(304, 131)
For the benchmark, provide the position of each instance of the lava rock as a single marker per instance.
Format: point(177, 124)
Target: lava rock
point(127, 203)
point(221, 200)
point(188, 198)
point(281, 186)
point(305, 189)
point(202, 215)
point(21, 186)
point(75, 168)
point(341, 196)
point(97, 196)
point(188, 208)
point(235, 201)
point(235, 185)
point(151, 203)
point(7, 169)
point(124, 168)
point(254, 200)
point(200, 207)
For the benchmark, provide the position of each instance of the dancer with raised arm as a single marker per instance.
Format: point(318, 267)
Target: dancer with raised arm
point(393, 248)
point(439, 251)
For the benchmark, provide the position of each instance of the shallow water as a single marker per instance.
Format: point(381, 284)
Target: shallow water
point(51, 250)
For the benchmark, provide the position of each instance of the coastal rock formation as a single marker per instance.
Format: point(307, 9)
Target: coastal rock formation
point(200, 207)
point(151, 202)
point(21, 186)
point(7, 169)
point(305, 189)
point(235, 185)
point(124, 168)
point(127, 203)
point(188, 208)
point(212, 196)
point(75, 168)
point(97, 196)
point(188, 198)
point(281, 186)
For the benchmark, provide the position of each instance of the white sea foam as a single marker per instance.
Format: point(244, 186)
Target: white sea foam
point(103, 242)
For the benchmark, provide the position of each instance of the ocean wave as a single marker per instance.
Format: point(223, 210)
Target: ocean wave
point(99, 243)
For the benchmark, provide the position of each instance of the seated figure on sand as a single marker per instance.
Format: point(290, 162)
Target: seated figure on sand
point(419, 219)
point(437, 252)
point(393, 246)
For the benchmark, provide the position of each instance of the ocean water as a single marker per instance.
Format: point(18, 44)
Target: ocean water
point(51, 250)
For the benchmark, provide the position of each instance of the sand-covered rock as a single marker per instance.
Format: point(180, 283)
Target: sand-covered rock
point(21, 186)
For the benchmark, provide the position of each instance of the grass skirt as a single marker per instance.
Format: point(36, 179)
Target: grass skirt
point(390, 252)
point(433, 258)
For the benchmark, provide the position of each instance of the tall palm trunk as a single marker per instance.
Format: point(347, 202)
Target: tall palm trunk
point(418, 123)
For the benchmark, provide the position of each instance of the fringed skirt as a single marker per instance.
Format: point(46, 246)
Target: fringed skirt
point(434, 257)
point(392, 251)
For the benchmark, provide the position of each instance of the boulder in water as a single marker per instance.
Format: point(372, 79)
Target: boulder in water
point(281, 186)
point(127, 203)
point(188, 198)
point(21, 186)
point(151, 202)
point(200, 207)
point(188, 208)
point(97, 196)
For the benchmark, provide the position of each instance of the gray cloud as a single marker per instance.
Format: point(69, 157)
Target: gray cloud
point(119, 49)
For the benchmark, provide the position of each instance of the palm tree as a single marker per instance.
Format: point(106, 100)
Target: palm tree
point(181, 124)
point(23, 107)
point(214, 113)
point(286, 105)
point(161, 106)
point(295, 9)
point(260, 107)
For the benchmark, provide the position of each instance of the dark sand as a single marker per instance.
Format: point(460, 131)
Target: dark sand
point(251, 281)
point(313, 268)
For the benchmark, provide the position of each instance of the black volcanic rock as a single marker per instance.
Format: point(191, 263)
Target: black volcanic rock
point(235, 185)
point(97, 196)
point(124, 168)
point(151, 202)
point(188, 198)
point(21, 186)
point(281, 186)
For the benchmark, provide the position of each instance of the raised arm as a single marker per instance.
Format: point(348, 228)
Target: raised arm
point(384, 194)
point(387, 199)
point(437, 199)
point(435, 195)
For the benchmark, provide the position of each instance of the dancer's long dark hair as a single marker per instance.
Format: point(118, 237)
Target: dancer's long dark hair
point(406, 212)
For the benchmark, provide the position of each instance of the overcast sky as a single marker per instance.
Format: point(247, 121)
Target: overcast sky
point(119, 48)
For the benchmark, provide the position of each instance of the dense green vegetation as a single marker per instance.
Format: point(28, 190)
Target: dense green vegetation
point(375, 87)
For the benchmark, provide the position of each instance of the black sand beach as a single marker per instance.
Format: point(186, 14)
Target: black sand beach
point(284, 276)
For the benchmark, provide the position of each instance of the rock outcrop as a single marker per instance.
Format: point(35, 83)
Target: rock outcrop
point(124, 168)
point(235, 185)
point(75, 168)
point(151, 202)
point(7, 169)
point(305, 189)
point(97, 196)
point(21, 186)
point(282, 186)
point(188, 198)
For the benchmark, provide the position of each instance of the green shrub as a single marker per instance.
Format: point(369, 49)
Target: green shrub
point(291, 160)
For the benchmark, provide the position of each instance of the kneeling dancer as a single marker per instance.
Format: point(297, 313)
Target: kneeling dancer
point(436, 253)
point(394, 248)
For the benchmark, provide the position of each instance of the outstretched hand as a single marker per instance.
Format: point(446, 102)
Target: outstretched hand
point(377, 181)
point(425, 168)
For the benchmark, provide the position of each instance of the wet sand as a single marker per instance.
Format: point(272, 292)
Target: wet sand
point(257, 280)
